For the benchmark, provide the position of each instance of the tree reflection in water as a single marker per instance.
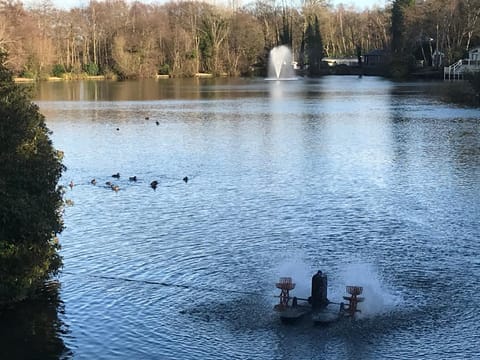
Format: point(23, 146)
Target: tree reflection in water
point(32, 329)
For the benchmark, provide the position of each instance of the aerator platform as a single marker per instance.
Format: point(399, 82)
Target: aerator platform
point(317, 306)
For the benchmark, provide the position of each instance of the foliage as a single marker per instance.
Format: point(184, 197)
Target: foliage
point(30, 210)
point(28, 74)
point(286, 34)
point(449, 26)
point(91, 69)
point(474, 80)
point(401, 67)
point(246, 45)
point(58, 70)
point(314, 47)
point(472, 92)
point(135, 39)
point(398, 25)
point(164, 70)
point(214, 31)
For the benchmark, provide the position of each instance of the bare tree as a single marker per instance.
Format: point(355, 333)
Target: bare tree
point(244, 45)
point(214, 29)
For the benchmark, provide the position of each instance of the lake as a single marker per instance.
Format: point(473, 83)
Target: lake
point(375, 183)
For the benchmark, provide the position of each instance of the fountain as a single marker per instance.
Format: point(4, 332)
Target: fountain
point(280, 64)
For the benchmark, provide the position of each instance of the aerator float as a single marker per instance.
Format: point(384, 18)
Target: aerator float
point(321, 310)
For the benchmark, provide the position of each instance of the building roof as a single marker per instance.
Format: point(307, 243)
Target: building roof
point(376, 52)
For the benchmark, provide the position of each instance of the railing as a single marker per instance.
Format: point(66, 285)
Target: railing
point(453, 72)
point(471, 62)
point(456, 71)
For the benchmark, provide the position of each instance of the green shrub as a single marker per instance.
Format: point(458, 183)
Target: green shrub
point(474, 80)
point(400, 68)
point(58, 70)
point(164, 70)
point(28, 74)
point(31, 201)
point(91, 69)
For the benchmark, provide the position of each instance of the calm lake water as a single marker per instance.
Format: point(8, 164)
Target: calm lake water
point(375, 183)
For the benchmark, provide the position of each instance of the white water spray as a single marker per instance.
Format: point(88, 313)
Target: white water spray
point(294, 266)
point(378, 298)
point(280, 64)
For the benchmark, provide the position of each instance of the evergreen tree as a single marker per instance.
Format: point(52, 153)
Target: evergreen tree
point(398, 24)
point(30, 199)
point(286, 32)
point(314, 47)
point(301, 58)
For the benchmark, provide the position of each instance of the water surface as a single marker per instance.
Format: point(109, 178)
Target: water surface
point(373, 182)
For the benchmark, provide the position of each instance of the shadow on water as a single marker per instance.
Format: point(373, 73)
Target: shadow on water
point(244, 313)
point(32, 329)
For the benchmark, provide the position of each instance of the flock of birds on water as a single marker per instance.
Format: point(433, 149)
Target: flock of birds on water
point(109, 184)
point(114, 187)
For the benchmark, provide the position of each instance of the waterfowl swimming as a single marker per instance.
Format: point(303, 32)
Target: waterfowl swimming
point(185, 179)
point(156, 122)
point(71, 184)
point(93, 182)
point(115, 187)
point(117, 175)
point(147, 118)
point(154, 184)
point(108, 183)
point(132, 178)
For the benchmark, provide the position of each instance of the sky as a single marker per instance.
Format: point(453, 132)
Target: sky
point(66, 4)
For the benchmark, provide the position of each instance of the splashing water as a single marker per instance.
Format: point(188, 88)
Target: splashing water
point(378, 298)
point(296, 268)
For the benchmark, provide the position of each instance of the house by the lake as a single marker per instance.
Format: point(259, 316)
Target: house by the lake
point(377, 57)
point(457, 70)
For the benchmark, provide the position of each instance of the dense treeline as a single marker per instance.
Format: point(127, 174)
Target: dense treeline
point(419, 28)
point(177, 38)
point(183, 38)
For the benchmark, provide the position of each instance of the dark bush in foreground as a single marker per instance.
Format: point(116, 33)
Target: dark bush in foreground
point(31, 201)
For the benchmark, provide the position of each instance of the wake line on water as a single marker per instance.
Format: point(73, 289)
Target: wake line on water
point(165, 284)
point(378, 299)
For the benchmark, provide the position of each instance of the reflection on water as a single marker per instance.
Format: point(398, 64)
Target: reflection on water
point(140, 90)
point(313, 174)
point(32, 329)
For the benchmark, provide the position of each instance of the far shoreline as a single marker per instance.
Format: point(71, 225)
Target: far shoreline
point(56, 78)
point(19, 79)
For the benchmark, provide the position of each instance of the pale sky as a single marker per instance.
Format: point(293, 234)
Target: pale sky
point(65, 4)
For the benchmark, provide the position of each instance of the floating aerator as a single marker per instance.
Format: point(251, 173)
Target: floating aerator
point(285, 284)
point(353, 299)
point(354, 290)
